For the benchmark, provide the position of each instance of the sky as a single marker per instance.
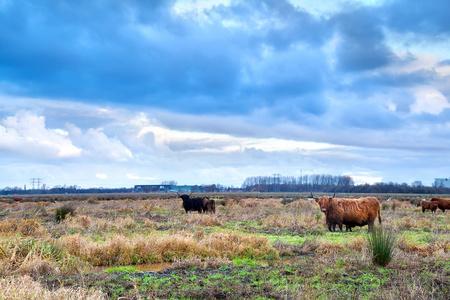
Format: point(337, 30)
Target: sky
point(124, 92)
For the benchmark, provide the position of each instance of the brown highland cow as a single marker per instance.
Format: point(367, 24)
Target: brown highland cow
point(350, 212)
point(208, 205)
point(431, 205)
point(443, 204)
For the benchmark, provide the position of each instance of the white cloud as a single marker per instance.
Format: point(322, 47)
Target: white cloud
point(131, 176)
point(26, 133)
point(223, 143)
point(101, 176)
point(364, 177)
point(429, 100)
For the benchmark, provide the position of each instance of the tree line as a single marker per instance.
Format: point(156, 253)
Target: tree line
point(305, 183)
point(332, 183)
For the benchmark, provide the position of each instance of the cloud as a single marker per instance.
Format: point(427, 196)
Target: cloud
point(426, 19)
point(187, 89)
point(429, 100)
point(101, 176)
point(96, 144)
point(134, 177)
point(26, 133)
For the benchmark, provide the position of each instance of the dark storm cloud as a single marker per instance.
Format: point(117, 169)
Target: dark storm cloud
point(227, 59)
point(142, 53)
point(361, 46)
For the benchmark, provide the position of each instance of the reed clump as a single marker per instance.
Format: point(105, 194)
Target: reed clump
point(381, 245)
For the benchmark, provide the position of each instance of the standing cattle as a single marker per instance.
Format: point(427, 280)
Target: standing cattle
point(200, 204)
point(350, 212)
point(431, 205)
point(192, 204)
point(208, 205)
point(443, 204)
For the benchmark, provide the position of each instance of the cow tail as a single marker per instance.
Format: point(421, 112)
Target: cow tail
point(379, 213)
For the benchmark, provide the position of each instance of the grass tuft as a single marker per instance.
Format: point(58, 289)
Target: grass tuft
point(381, 245)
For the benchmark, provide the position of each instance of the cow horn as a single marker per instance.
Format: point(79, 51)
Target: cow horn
point(190, 194)
point(178, 194)
point(334, 195)
point(312, 196)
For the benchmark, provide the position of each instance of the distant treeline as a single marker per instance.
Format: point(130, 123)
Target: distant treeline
point(391, 187)
point(331, 183)
point(305, 183)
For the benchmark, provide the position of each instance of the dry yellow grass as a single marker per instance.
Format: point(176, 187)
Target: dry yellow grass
point(413, 222)
point(292, 220)
point(151, 224)
point(438, 248)
point(329, 247)
point(24, 227)
point(36, 257)
point(203, 219)
point(25, 287)
point(83, 222)
point(155, 248)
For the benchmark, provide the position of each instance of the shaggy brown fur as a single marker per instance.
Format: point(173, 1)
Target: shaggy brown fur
point(350, 212)
point(209, 205)
point(443, 204)
point(332, 218)
point(431, 205)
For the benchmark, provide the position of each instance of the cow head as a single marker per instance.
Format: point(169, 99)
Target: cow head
point(184, 197)
point(324, 202)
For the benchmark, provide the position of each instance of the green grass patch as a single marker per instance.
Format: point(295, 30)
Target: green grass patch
point(123, 269)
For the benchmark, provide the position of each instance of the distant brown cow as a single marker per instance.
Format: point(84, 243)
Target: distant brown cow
point(443, 204)
point(208, 205)
point(431, 205)
point(350, 212)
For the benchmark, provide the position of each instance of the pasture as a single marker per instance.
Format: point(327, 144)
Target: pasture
point(256, 246)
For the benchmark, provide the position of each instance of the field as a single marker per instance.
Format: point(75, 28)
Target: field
point(256, 246)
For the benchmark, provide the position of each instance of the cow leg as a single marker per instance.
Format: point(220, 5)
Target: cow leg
point(340, 227)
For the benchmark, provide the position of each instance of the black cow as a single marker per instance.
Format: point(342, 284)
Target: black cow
point(192, 204)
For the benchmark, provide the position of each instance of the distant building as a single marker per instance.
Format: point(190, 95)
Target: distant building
point(442, 182)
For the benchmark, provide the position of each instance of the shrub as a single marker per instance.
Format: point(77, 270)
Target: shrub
point(62, 212)
point(381, 245)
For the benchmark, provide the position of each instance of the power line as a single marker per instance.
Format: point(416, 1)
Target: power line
point(37, 181)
